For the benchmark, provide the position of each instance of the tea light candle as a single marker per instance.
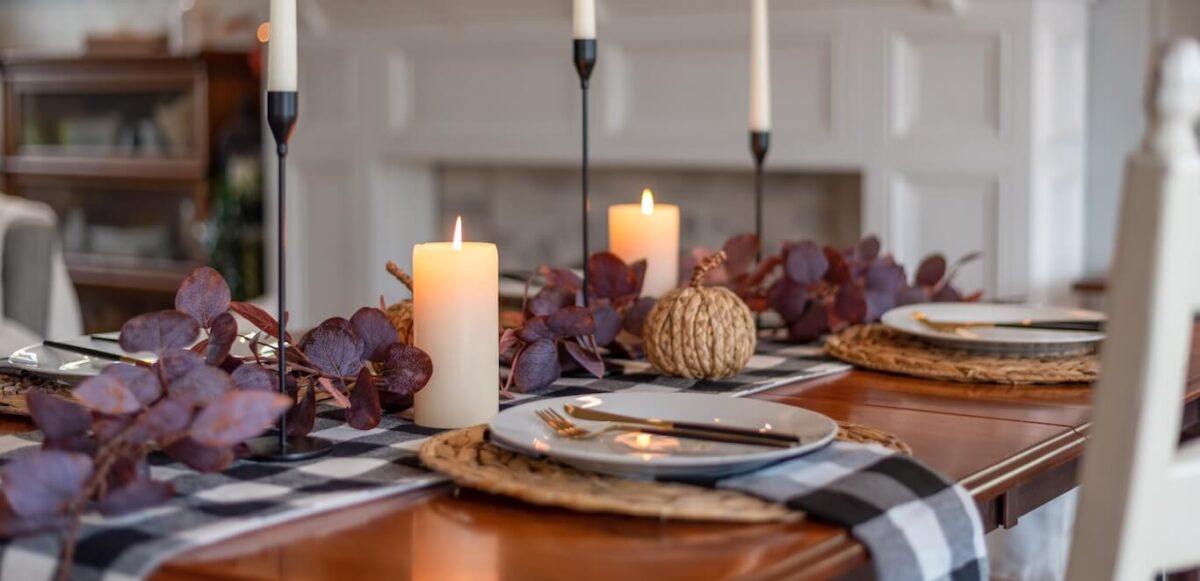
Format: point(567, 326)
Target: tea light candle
point(649, 231)
point(456, 314)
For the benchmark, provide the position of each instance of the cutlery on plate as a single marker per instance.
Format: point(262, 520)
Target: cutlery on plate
point(96, 353)
point(603, 416)
point(567, 429)
point(952, 326)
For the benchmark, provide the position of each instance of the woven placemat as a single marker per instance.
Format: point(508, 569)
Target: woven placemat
point(471, 461)
point(883, 349)
point(14, 387)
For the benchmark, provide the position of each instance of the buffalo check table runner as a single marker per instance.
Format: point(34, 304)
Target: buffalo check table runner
point(363, 466)
point(916, 524)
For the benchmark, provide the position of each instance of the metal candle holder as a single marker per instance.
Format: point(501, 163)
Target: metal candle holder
point(282, 112)
point(760, 142)
point(585, 61)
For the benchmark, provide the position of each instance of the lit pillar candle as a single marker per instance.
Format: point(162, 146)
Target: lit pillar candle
point(456, 314)
point(585, 19)
point(760, 68)
point(281, 63)
point(649, 231)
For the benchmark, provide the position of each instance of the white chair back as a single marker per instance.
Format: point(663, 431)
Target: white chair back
point(1139, 510)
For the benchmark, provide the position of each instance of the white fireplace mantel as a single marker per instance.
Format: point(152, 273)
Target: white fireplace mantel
point(966, 119)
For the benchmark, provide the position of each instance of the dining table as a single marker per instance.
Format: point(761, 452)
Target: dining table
point(1013, 448)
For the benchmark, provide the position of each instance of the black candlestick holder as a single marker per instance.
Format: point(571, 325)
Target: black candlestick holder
point(585, 61)
point(760, 142)
point(282, 112)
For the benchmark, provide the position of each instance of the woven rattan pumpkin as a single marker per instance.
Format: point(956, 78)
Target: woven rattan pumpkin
point(700, 332)
point(401, 313)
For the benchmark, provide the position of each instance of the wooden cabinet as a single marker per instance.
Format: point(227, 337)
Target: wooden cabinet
point(122, 148)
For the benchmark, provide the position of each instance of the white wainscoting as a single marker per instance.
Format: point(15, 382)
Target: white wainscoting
point(966, 119)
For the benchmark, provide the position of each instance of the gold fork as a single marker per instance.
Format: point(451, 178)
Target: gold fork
point(567, 429)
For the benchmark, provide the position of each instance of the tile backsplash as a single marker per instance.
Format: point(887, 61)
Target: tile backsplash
point(532, 213)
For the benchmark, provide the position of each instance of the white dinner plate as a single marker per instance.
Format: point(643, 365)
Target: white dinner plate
point(997, 339)
point(71, 366)
point(633, 454)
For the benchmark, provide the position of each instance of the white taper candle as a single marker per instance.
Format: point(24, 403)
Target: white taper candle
point(281, 65)
point(585, 19)
point(760, 68)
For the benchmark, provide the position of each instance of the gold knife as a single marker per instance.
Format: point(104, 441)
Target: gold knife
point(602, 416)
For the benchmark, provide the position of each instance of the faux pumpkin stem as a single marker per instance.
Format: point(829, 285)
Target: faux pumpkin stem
point(404, 278)
point(710, 262)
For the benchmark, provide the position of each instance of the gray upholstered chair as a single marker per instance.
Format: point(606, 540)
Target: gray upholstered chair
point(26, 274)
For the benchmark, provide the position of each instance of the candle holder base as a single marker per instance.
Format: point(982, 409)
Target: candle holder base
point(293, 449)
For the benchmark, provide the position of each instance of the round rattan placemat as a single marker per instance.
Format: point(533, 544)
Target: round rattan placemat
point(14, 387)
point(471, 461)
point(880, 348)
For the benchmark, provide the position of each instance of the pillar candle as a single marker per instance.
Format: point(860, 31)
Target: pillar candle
point(281, 64)
point(585, 19)
point(647, 231)
point(456, 314)
point(760, 68)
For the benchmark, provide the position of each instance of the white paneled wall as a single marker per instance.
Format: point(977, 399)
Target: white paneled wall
point(965, 119)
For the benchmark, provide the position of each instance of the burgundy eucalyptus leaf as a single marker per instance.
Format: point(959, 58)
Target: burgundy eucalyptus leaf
point(535, 328)
point(199, 457)
point(740, 254)
point(884, 276)
point(57, 417)
point(159, 331)
point(259, 318)
point(838, 272)
point(805, 263)
point(561, 277)
point(789, 299)
point(586, 358)
point(334, 348)
point(878, 303)
point(610, 278)
point(137, 495)
point(571, 321)
point(365, 411)
point(947, 294)
point(608, 324)
point(375, 330)
point(635, 315)
point(13, 525)
point(201, 385)
point(811, 325)
point(176, 363)
point(222, 332)
point(201, 347)
point(850, 304)
point(106, 394)
point(203, 295)
point(868, 248)
point(253, 376)
point(237, 416)
point(302, 417)
point(45, 481)
point(168, 418)
point(638, 269)
point(128, 468)
point(537, 366)
point(406, 369)
point(394, 402)
point(550, 299)
point(931, 271)
point(142, 382)
point(508, 341)
point(912, 295)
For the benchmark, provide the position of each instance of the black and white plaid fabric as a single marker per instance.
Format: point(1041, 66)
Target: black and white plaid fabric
point(364, 466)
point(916, 524)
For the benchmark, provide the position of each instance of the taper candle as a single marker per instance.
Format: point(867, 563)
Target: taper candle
point(647, 231)
point(456, 314)
point(760, 68)
point(585, 19)
point(281, 63)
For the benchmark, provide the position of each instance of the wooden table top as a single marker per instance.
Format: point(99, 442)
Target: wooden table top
point(1012, 448)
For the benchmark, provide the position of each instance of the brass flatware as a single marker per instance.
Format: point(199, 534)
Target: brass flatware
point(96, 353)
point(953, 326)
point(568, 429)
point(603, 416)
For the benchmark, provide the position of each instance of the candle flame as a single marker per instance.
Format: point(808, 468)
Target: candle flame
point(263, 32)
point(458, 234)
point(647, 202)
